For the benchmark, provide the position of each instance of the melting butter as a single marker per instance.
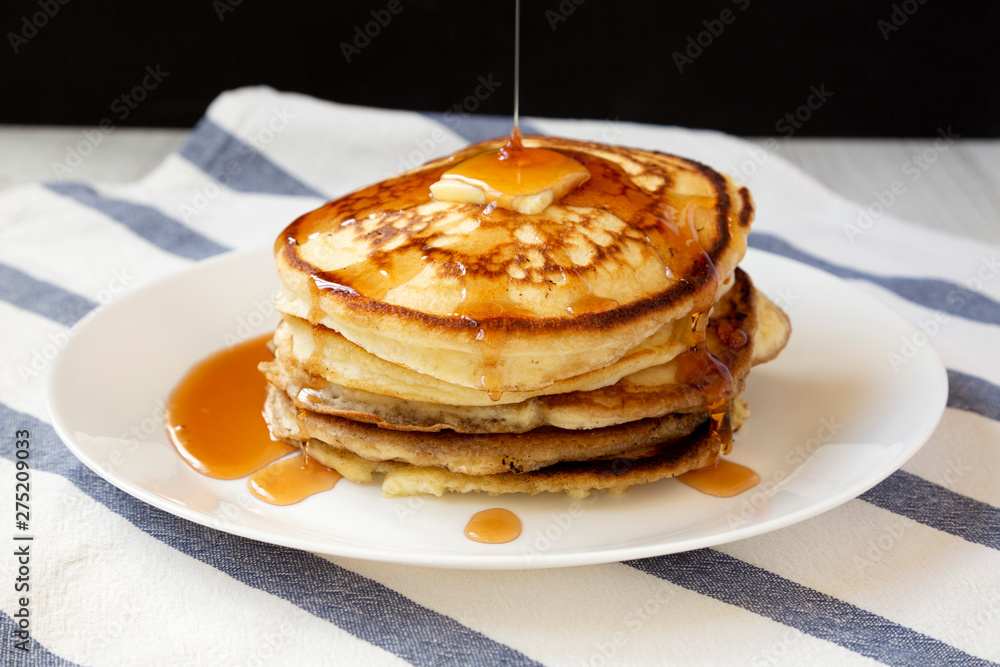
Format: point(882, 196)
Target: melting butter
point(526, 180)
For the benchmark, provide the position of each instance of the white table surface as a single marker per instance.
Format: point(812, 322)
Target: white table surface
point(959, 192)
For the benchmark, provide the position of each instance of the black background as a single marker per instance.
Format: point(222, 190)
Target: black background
point(605, 60)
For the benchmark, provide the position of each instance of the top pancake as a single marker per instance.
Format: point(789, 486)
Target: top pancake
point(502, 301)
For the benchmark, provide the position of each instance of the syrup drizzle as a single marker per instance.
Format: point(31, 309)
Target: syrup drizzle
point(514, 142)
point(491, 317)
point(672, 230)
point(700, 369)
point(493, 526)
point(515, 135)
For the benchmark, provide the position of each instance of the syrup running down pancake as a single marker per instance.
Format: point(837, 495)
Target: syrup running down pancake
point(552, 316)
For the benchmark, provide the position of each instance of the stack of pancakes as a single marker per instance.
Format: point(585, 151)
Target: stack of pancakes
point(598, 344)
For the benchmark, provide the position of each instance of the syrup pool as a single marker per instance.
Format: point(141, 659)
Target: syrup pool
point(213, 418)
point(723, 480)
point(493, 526)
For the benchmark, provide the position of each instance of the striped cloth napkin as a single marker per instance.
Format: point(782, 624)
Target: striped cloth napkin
point(909, 573)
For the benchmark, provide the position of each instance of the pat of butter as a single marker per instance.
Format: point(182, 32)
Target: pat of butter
point(526, 180)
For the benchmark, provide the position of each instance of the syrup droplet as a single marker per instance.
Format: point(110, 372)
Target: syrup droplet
point(590, 303)
point(292, 480)
point(213, 416)
point(725, 479)
point(493, 526)
point(722, 427)
point(730, 336)
point(514, 143)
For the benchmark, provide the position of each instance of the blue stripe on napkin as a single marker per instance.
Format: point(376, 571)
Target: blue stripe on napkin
point(938, 507)
point(238, 165)
point(41, 297)
point(735, 582)
point(479, 127)
point(36, 655)
point(930, 293)
point(972, 394)
point(361, 606)
point(147, 222)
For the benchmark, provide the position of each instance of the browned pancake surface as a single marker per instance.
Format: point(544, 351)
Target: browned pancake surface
point(521, 300)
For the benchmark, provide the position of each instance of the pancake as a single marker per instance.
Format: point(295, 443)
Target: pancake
point(577, 479)
point(503, 302)
point(653, 392)
point(325, 352)
point(478, 453)
point(591, 334)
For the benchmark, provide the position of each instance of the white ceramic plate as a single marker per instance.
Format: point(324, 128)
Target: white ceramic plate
point(831, 418)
